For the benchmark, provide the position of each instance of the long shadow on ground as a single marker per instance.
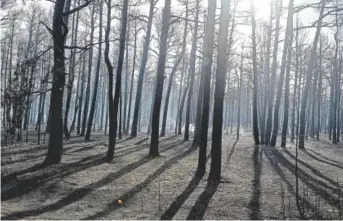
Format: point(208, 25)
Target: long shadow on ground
point(180, 199)
point(12, 176)
point(41, 147)
point(112, 206)
point(24, 186)
point(326, 161)
point(255, 199)
point(275, 165)
point(319, 187)
point(198, 210)
point(314, 171)
point(79, 193)
point(36, 156)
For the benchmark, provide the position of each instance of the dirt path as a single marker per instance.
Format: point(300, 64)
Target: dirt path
point(258, 182)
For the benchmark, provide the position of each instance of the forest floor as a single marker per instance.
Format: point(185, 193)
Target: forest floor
point(258, 181)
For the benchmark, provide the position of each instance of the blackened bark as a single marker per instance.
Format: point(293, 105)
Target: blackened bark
point(55, 146)
point(118, 77)
point(273, 76)
point(255, 81)
point(216, 149)
point(96, 80)
point(309, 77)
point(192, 71)
point(142, 70)
point(286, 49)
point(155, 124)
point(88, 86)
point(206, 72)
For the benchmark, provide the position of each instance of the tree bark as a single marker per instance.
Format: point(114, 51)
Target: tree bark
point(192, 58)
point(216, 149)
point(287, 49)
point(273, 76)
point(90, 66)
point(122, 40)
point(309, 77)
point(96, 80)
point(55, 145)
point(206, 73)
point(155, 124)
point(142, 70)
point(255, 81)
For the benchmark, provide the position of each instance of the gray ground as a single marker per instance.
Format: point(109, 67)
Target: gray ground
point(258, 182)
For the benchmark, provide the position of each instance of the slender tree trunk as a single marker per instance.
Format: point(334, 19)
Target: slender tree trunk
point(182, 103)
point(192, 58)
point(308, 78)
point(88, 86)
point(296, 76)
point(96, 80)
point(216, 149)
point(115, 107)
point(255, 95)
point(110, 118)
point(335, 85)
point(55, 146)
point(266, 79)
point(171, 77)
point(83, 76)
point(273, 76)
point(75, 25)
point(319, 92)
point(286, 49)
point(123, 117)
point(206, 72)
point(179, 102)
point(239, 97)
point(155, 124)
point(132, 77)
point(120, 116)
point(142, 70)
point(289, 60)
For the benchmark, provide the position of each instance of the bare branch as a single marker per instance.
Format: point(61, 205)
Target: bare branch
point(77, 8)
point(47, 27)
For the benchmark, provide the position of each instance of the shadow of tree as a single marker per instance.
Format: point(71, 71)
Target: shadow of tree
point(199, 208)
point(180, 199)
point(79, 193)
point(314, 171)
point(275, 165)
point(24, 186)
point(124, 197)
point(319, 187)
point(255, 199)
point(326, 161)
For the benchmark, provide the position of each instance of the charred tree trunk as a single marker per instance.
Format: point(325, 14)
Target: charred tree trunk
point(96, 80)
point(273, 76)
point(142, 71)
point(206, 73)
point(308, 79)
point(155, 124)
point(216, 149)
point(60, 32)
point(255, 81)
point(115, 107)
point(287, 48)
point(192, 71)
point(88, 86)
